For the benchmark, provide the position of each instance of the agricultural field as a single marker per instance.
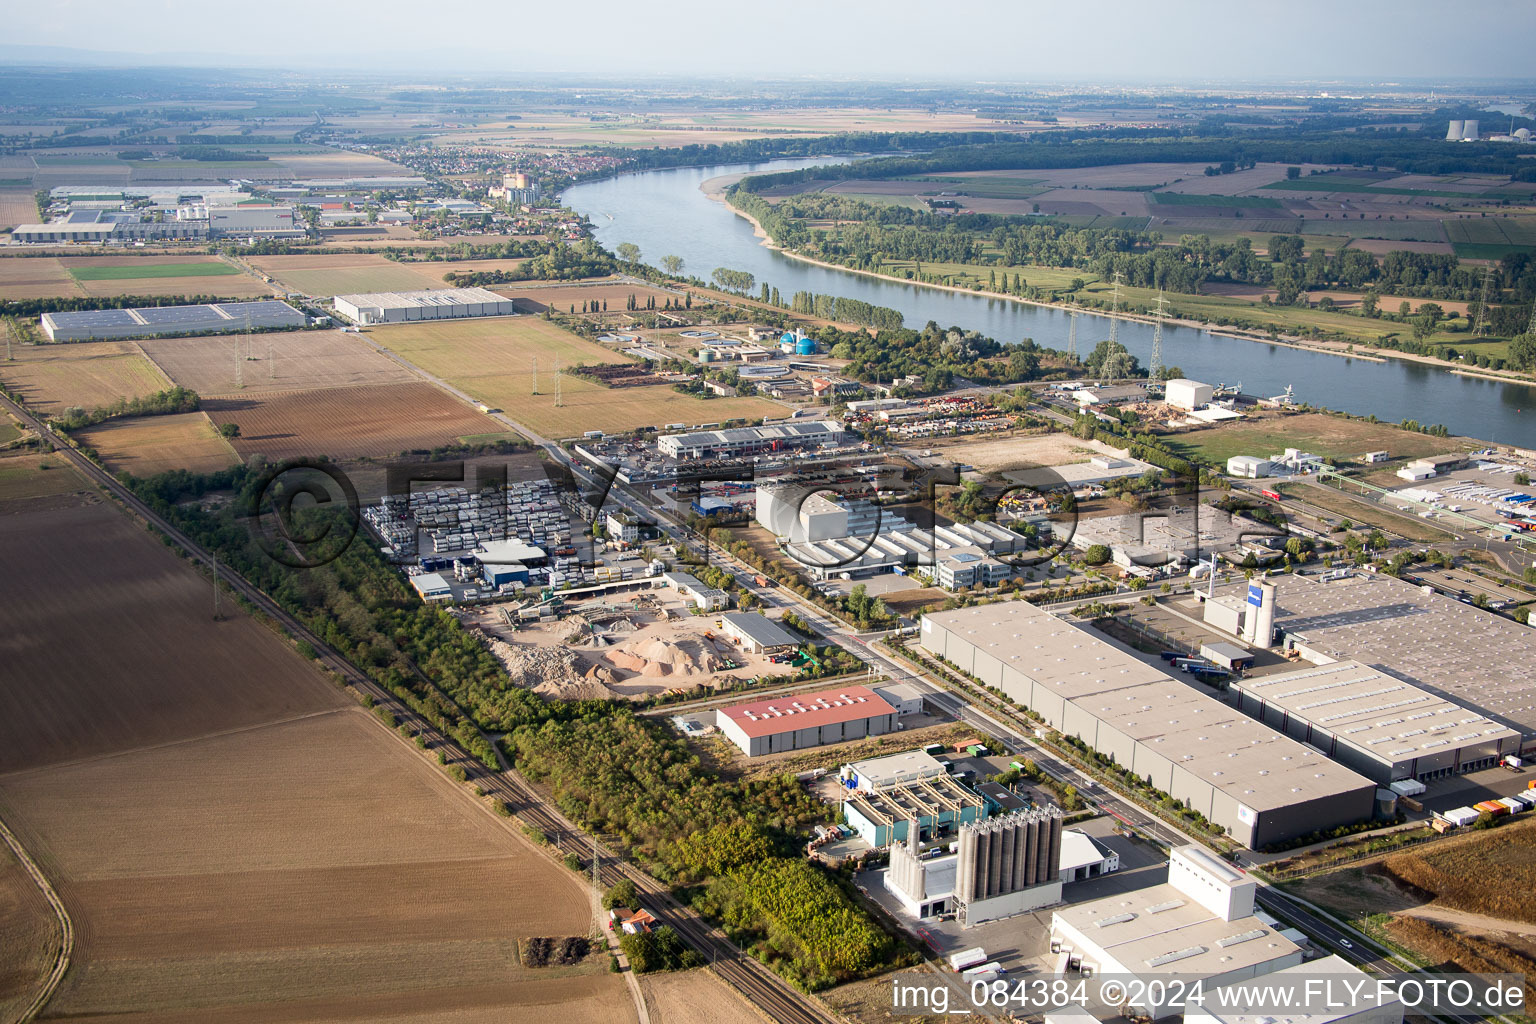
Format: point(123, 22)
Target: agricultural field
point(492, 359)
point(343, 274)
point(537, 296)
point(1457, 872)
point(17, 206)
point(235, 838)
point(36, 277)
point(29, 935)
point(288, 361)
point(695, 997)
point(1491, 238)
point(374, 421)
point(37, 476)
point(1363, 510)
point(162, 275)
point(442, 268)
point(88, 374)
point(1330, 436)
point(146, 445)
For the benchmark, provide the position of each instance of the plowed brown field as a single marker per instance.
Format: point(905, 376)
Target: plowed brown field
point(294, 361)
point(349, 422)
point(234, 838)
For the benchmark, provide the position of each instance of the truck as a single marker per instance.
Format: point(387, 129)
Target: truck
point(981, 972)
point(762, 581)
point(967, 958)
point(1513, 763)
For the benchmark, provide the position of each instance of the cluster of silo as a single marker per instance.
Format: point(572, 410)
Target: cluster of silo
point(1462, 131)
point(1004, 855)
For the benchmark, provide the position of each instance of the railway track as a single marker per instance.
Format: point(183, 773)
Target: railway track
point(753, 980)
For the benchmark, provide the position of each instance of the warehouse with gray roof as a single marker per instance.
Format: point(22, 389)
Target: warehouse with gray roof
point(1260, 786)
point(429, 304)
point(1473, 658)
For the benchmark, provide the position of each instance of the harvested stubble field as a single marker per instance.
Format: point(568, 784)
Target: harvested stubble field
point(492, 359)
point(36, 277)
point(537, 296)
point(695, 997)
point(161, 275)
point(146, 445)
point(17, 206)
point(344, 274)
point(234, 838)
point(375, 421)
point(29, 936)
point(300, 360)
point(23, 476)
point(52, 378)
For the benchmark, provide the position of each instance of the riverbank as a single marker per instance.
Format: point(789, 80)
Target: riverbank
point(715, 188)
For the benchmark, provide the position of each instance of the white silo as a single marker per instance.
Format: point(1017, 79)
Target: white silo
point(1469, 131)
point(1523, 134)
point(1453, 133)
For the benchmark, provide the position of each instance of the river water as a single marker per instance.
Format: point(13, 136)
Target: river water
point(666, 212)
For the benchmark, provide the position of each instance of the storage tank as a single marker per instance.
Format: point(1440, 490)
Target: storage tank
point(1453, 133)
point(805, 346)
point(1469, 131)
point(706, 355)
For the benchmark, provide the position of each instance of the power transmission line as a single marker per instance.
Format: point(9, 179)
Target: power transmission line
point(535, 374)
point(1114, 315)
point(558, 397)
point(1481, 327)
point(1156, 369)
point(1072, 337)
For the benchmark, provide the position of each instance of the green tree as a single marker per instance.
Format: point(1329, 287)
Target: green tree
point(1097, 554)
point(229, 429)
point(629, 252)
point(621, 894)
point(1521, 353)
point(672, 264)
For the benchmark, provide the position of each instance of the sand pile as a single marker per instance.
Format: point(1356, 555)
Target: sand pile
point(656, 657)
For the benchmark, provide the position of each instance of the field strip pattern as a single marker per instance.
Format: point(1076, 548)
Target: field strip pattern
point(66, 926)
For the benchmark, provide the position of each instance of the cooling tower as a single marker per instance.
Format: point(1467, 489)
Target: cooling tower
point(1453, 133)
point(1469, 131)
point(1523, 134)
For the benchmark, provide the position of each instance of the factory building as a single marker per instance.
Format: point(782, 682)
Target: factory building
point(1189, 395)
point(770, 437)
point(1248, 467)
point(1200, 923)
point(936, 805)
point(795, 722)
point(1472, 658)
point(1260, 786)
point(906, 698)
point(101, 226)
point(1224, 1005)
point(432, 587)
point(1000, 867)
point(431, 304)
point(877, 773)
point(160, 321)
point(757, 633)
point(260, 221)
point(704, 598)
point(1380, 726)
point(1084, 857)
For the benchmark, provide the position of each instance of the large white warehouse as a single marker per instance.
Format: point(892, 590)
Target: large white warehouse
point(431, 304)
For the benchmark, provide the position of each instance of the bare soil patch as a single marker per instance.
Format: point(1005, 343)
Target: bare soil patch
point(1021, 451)
point(537, 296)
point(146, 445)
point(36, 277)
point(695, 997)
point(348, 422)
point(343, 274)
point(1458, 872)
point(17, 206)
point(29, 936)
point(296, 361)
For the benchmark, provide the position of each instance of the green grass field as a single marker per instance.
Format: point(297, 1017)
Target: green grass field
point(1331, 436)
point(151, 270)
point(9, 431)
point(1191, 199)
point(24, 476)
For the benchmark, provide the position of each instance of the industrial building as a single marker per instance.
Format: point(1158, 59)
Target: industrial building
point(840, 535)
point(936, 804)
point(1001, 867)
point(1189, 395)
point(432, 587)
point(1380, 726)
point(906, 698)
point(750, 440)
point(1224, 1005)
point(704, 598)
point(1474, 659)
point(256, 221)
point(1248, 467)
point(1200, 923)
point(1260, 786)
point(1113, 464)
point(160, 321)
point(101, 226)
point(757, 633)
point(1084, 857)
point(430, 304)
point(798, 721)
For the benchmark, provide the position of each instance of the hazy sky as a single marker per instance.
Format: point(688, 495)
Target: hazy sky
point(1016, 40)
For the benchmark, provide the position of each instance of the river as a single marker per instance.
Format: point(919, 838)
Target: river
point(665, 212)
